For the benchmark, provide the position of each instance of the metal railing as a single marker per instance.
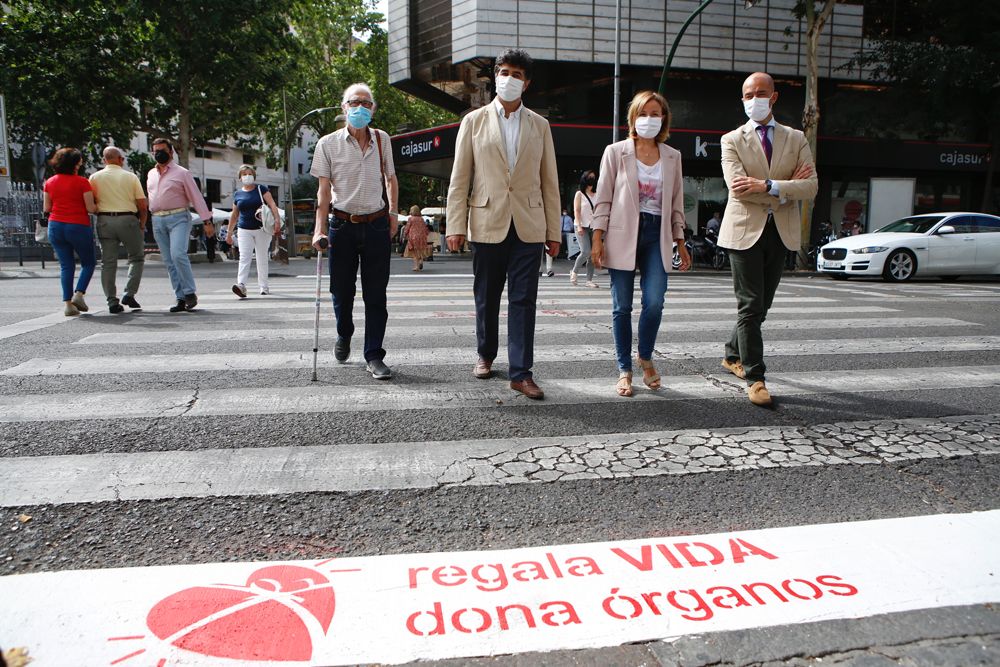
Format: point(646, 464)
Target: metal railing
point(20, 208)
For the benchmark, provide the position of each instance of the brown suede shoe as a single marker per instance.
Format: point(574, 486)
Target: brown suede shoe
point(528, 388)
point(734, 367)
point(483, 369)
point(758, 394)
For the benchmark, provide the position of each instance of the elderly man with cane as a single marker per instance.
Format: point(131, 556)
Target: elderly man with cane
point(356, 162)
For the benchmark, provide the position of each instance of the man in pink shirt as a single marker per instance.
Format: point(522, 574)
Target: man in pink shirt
point(171, 190)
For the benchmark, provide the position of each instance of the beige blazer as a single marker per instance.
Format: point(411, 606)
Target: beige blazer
point(484, 195)
point(616, 206)
point(745, 216)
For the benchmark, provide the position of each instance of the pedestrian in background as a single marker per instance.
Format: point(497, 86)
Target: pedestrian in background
point(211, 240)
point(247, 232)
point(566, 221)
point(769, 170)
point(638, 215)
point(504, 194)
point(121, 219)
point(172, 190)
point(69, 199)
point(415, 233)
point(583, 209)
point(356, 162)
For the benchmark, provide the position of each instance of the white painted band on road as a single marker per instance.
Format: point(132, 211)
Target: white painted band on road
point(474, 394)
point(151, 337)
point(87, 478)
point(27, 326)
point(451, 356)
point(605, 313)
point(268, 304)
point(399, 608)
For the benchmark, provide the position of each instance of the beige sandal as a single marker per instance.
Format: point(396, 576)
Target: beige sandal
point(650, 380)
point(624, 386)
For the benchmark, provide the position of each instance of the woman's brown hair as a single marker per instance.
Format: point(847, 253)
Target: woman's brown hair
point(65, 160)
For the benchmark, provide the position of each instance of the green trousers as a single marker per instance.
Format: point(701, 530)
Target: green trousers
point(124, 229)
point(756, 274)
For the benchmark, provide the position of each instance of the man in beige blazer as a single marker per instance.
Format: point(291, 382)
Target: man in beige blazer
point(769, 170)
point(504, 193)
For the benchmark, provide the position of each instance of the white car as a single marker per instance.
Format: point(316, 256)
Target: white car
point(947, 245)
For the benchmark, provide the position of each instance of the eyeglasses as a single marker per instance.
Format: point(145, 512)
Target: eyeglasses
point(358, 102)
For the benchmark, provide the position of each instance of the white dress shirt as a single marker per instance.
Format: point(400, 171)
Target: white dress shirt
point(510, 131)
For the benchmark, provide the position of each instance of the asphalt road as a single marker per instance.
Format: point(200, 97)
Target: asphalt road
point(890, 410)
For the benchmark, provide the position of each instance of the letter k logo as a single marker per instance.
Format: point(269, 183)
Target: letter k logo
point(700, 147)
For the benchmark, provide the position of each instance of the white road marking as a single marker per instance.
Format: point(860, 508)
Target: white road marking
point(27, 326)
point(447, 356)
point(432, 606)
point(481, 394)
point(545, 328)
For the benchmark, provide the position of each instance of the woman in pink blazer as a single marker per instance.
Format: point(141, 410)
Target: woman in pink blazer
point(640, 187)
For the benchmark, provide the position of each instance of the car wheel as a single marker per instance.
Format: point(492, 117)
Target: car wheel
point(900, 266)
point(719, 261)
point(948, 279)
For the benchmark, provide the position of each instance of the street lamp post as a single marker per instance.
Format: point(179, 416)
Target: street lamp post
point(680, 33)
point(289, 212)
point(618, 71)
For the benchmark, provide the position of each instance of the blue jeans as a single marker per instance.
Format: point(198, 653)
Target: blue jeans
point(171, 233)
point(365, 244)
point(66, 239)
point(653, 284)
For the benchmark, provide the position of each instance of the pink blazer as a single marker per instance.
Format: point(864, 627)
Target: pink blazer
point(616, 207)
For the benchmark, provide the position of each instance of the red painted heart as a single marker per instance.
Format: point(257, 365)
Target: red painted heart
point(273, 617)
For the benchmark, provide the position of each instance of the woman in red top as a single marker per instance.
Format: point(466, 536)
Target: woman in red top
point(69, 200)
point(416, 238)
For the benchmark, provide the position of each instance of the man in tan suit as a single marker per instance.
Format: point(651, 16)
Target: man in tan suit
point(505, 192)
point(769, 170)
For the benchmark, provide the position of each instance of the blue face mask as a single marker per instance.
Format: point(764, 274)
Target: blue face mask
point(359, 117)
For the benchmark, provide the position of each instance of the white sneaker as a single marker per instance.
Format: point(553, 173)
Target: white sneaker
point(264, 291)
point(572, 277)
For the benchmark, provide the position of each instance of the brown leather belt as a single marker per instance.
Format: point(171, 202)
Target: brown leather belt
point(354, 218)
point(115, 213)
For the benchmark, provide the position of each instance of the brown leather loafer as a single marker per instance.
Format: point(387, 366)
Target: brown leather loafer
point(758, 394)
point(734, 367)
point(528, 388)
point(483, 369)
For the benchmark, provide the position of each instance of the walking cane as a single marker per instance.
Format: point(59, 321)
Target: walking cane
point(323, 243)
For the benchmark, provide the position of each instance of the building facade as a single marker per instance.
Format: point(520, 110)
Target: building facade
point(442, 51)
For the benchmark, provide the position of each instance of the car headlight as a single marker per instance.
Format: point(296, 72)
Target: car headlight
point(870, 250)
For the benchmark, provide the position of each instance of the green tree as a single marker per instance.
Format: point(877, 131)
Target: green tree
point(82, 71)
point(944, 69)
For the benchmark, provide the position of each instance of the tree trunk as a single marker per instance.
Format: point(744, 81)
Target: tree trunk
point(184, 126)
point(810, 112)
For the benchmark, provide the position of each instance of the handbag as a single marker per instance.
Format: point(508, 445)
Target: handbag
point(41, 230)
point(264, 213)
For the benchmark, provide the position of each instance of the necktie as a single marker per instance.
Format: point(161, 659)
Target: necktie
point(764, 141)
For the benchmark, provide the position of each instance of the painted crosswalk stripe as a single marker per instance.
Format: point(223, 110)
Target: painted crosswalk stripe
point(34, 324)
point(424, 304)
point(467, 395)
point(545, 328)
point(687, 311)
point(44, 480)
point(449, 356)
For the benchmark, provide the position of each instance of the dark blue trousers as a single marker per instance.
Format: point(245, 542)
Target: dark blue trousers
point(515, 262)
point(367, 244)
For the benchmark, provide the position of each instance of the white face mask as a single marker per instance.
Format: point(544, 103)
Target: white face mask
point(648, 127)
point(246, 179)
point(509, 89)
point(758, 109)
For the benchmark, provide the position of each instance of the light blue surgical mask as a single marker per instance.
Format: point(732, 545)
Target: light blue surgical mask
point(359, 117)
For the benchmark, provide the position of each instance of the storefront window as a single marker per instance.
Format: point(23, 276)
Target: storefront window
point(935, 194)
point(703, 197)
point(849, 207)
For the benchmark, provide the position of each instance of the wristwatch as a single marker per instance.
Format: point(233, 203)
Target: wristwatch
point(768, 184)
